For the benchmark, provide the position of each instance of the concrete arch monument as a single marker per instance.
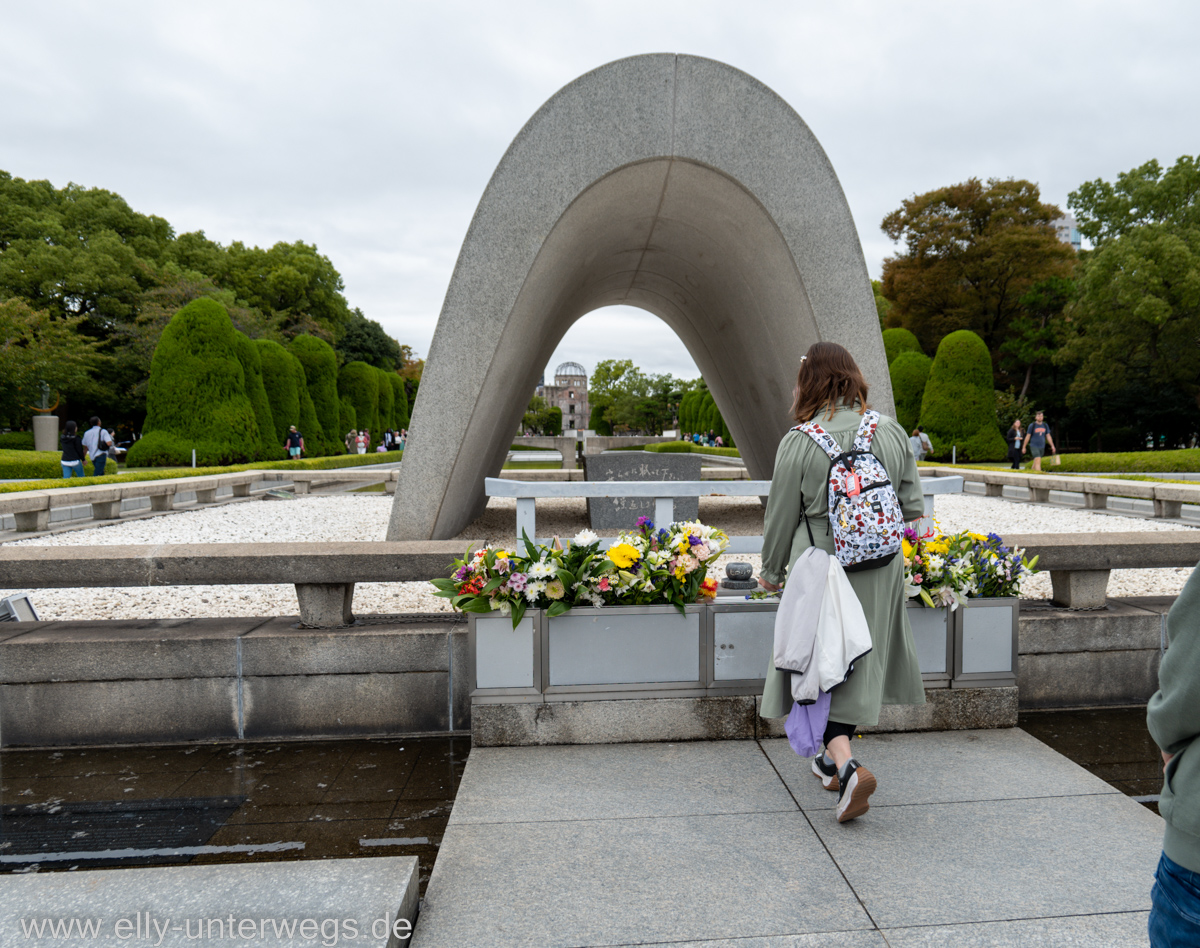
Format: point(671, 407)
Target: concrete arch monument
point(673, 183)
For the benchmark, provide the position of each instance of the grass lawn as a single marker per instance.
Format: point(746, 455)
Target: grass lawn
point(533, 466)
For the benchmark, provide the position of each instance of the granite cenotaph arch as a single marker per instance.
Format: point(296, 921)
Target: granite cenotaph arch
point(676, 184)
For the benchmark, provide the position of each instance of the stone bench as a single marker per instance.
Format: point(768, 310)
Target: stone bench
point(303, 482)
point(1079, 563)
point(31, 509)
point(1168, 499)
point(527, 494)
point(324, 574)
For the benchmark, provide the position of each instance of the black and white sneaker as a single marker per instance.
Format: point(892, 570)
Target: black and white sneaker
point(857, 785)
point(826, 771)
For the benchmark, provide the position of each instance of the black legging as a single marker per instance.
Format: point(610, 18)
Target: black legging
point(838, 729)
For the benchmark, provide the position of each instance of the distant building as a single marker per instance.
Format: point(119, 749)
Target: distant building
point(569, 393)
point(1067, 229)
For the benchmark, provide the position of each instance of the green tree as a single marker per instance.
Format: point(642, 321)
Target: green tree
point(910, 373)
point(597, 421)
point(883, 305)
point(1034, 334)
point(197, 394)
point(971, 252)
point(958, 408)
point(364, 340)
point(1137, 321)
point(319, 363)
point(34, 346)
point(897, 340)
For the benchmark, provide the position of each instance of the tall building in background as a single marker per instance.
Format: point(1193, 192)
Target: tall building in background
point(569, 393)
point(1067, 229)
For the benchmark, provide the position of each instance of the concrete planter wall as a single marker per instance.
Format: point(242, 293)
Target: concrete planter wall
point(721, 648)
point(985, 643)
point(933, 635)
point(622, 652)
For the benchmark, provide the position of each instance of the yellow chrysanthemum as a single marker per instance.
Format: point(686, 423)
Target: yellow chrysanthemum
point(908, 548)
point(624, 554)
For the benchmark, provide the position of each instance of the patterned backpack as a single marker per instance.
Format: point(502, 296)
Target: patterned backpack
point(864, 511)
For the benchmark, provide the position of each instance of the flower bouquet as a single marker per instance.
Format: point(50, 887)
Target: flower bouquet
point(947, 570)
point(645, 567)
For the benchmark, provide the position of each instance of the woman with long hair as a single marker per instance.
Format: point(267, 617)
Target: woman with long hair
point(831, 391)
point(73, 451)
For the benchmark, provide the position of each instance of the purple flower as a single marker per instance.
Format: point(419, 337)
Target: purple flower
point(694, 540)
point(461, 573)
point(517, 581)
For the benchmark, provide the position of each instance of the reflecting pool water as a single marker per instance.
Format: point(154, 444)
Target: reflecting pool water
point(174, 805)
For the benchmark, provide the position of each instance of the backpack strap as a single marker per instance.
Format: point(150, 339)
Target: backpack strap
point(866, 431)
point(824, 441)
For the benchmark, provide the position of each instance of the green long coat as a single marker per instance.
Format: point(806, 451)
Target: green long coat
point(889, 673)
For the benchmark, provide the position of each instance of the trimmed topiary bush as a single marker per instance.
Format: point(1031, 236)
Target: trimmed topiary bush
point(910, 373)
point(399, 400)
point(359, 383)
point(257, 393)
point(387, 402)
point(196, 396)
point(896, 341)
point(959, 405)
point(316, 442)
point(279, 380)
point(319, 362)
point(348, 420)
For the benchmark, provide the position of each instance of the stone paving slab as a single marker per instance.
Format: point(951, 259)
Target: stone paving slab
point(167, 899)
point(617, 882)
point(1120, 930)
point(617, 781)
point(945, 863)
point(984, 838)
point(945, 766)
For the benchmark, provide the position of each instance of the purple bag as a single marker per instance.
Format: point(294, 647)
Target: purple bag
point(805, 725)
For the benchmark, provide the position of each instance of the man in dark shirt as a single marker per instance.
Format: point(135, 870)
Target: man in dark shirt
point(294, 443)
point(1036, 440)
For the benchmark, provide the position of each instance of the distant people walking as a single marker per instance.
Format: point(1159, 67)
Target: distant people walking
point(914, 442)
point(926, 444)
point(98, 443)
point(1173, 717)
point(1013, 437)
point(360, 442)
point(73, 451)
point(1037, 439)
point(294, 442)
point(351, 440)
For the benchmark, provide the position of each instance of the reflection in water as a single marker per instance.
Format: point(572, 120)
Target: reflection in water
point(195, 804)
point(1112, 743)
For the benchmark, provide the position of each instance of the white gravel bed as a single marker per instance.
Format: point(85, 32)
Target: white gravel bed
point(365, 517)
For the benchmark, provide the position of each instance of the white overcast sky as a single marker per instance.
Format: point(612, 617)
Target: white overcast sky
point(371, 129)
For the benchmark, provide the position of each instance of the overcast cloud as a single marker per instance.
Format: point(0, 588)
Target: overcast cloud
point(371, 129)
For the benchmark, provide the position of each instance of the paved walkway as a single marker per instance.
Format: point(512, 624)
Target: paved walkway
point(974, 838)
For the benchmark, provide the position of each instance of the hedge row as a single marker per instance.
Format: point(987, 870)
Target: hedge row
point(304, 464)
point(17, 441)
point(1184, 460)
point(18, 463)
point(214, 391)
